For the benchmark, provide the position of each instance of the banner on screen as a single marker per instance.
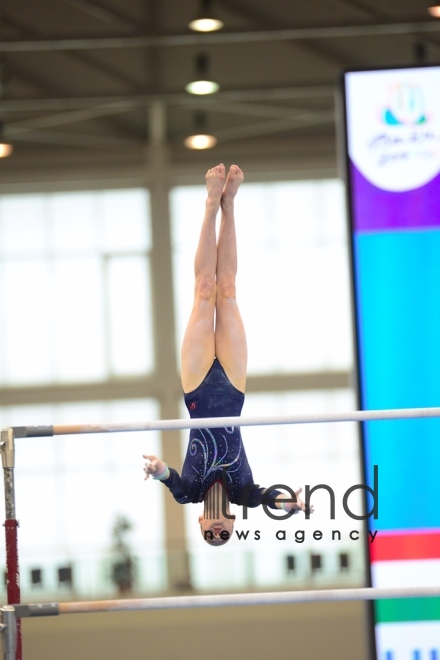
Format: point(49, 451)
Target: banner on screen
point(392, 128)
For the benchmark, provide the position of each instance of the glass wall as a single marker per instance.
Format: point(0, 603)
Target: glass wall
point(73, 494)
point(76, 309)
point(293, 282)
point(74, 287)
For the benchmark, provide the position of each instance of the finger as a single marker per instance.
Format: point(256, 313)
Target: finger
point(150, 457)
point(297, 492)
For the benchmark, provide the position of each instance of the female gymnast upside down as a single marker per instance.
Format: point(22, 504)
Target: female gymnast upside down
point(214, 359)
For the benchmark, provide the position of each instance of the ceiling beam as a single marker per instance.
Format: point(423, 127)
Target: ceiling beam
point(79, 140)
point(284, 119)
point(264, 94)
point(251, 109)
point(167, 41)
point(374, 15)
point(65, 118)
point(299, 120)
point(80, 58)
point(263, 21)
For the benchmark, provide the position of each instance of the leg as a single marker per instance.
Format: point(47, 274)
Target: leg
point(198, 347)
point(230, 337)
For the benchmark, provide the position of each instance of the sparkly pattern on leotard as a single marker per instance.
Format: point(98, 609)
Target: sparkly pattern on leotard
point(212, 452)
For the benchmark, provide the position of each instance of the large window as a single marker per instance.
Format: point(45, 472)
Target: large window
point(75, 308)
point(71, 491)
point(292, 284)
point(74, 287)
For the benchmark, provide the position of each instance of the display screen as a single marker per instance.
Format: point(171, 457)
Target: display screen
point(392, 158)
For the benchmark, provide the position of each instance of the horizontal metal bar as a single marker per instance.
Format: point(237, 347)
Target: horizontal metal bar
point(223, 600)
point(36, 609)
point(219, 422)
point(32, 431)
point(293, 34)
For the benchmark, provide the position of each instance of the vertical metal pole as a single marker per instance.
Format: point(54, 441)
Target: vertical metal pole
point(167, 379)
point(7, 448)
point(9, 631)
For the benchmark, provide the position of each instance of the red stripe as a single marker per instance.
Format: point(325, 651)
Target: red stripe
point(405, 545)
point(13, 574)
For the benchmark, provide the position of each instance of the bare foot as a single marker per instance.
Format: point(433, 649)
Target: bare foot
point(234, 179)
point(215, 182)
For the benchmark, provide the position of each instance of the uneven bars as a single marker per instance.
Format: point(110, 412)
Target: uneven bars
point(218, 422)
point(222, 600)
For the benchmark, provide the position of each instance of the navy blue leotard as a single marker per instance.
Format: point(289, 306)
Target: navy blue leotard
point(212, 452)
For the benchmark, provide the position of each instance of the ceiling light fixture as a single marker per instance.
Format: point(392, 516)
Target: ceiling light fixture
point(434, 11)
point(206, 20)
point(200, 139)
point(5, 149)
point(201, 85)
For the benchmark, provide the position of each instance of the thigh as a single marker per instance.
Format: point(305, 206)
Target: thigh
point(230, 341)
point(198, 346)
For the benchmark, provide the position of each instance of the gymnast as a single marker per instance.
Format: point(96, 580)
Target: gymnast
point(213, 373)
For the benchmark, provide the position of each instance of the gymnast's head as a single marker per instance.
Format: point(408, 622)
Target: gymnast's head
point(216, 531)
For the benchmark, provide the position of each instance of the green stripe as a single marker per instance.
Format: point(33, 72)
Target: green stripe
point(406, 609)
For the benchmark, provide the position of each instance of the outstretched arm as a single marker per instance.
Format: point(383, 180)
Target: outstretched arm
point(288, 505)
point(169, 477)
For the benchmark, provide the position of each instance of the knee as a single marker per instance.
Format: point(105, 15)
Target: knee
point(226, 290)
point(206, 288)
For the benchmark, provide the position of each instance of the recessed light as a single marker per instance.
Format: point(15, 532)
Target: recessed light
point(206, 25)
point(5, 149)
point(200, 141)
point(202, 87)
